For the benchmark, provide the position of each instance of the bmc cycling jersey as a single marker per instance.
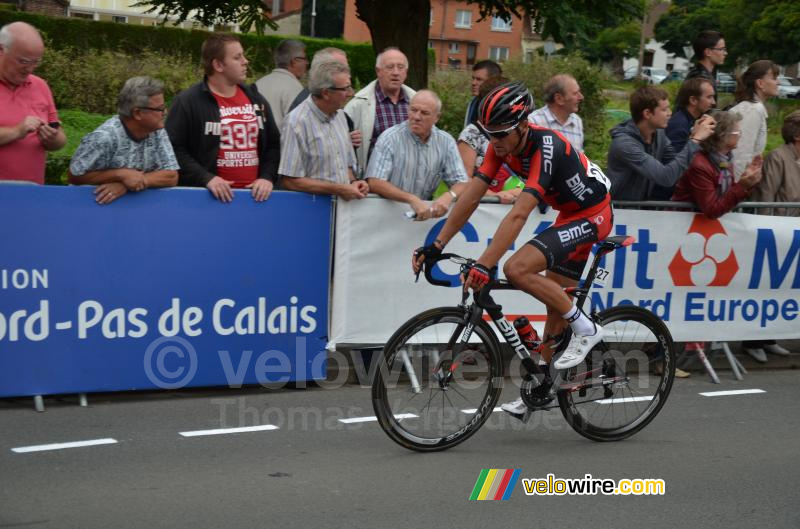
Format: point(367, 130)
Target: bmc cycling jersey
point(570, 183)
point(556, 173)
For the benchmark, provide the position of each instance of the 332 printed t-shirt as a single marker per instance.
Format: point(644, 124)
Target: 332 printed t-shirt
point(237, 161)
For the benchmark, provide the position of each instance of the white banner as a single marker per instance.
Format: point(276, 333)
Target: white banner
point(735, 278)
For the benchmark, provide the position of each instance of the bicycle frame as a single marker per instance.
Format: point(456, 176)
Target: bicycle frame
point(484, 301)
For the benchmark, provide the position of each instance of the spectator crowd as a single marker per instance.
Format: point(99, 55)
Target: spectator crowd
point(324, 138)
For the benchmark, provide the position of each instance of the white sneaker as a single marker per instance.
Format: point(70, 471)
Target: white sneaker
point(757, 354)
point(578, 348)
point(775, 349)
point(515, 407)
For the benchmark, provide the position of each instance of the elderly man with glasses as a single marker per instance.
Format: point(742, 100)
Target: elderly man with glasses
point(381, 104)
point(131, 151)
point(29, 125)
point(316, 151)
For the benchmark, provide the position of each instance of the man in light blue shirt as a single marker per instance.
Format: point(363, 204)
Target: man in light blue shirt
point(411, 159)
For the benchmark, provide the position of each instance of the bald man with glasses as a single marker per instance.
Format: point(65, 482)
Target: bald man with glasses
point(29, 124)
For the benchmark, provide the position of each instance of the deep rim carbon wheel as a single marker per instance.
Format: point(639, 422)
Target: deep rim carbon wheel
point(430, 392)
point(624, 381)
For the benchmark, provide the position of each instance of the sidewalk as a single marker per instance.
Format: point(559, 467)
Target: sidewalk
point(358, 365)
point(721, 365)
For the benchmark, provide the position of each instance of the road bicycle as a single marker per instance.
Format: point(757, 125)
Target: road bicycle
point(441, 373)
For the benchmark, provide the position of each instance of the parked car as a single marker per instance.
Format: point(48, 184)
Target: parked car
point(726, 83)
point(786, 88)
point(675, 75)
point(649, 74)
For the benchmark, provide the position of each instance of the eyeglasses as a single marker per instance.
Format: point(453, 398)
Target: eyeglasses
point(735, 133)
point(341, 88)
point(162, 110)
point(305, 59)
point(720, 49)
point(29, 62)
point(499, 134)
point(400, 67)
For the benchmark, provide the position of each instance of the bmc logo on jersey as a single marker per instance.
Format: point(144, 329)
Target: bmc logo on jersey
point(705, 258)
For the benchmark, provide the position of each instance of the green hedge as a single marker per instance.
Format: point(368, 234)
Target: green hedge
point(132, 39)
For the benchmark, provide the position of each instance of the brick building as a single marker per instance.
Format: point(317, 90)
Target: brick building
point(458, 39)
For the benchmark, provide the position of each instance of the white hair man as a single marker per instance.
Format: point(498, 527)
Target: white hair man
point(381, 104)
point(411, 158)
point(316, 150)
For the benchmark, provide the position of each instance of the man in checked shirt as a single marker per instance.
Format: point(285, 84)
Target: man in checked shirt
point(381, 104)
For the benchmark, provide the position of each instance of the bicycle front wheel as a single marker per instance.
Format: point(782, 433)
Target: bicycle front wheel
point(432, 392)
point(625, 380)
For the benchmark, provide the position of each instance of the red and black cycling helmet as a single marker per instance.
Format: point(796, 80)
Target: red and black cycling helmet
point(507, 105)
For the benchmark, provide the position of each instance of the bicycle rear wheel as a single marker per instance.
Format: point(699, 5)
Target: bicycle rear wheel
point(432, 392)
point(626, 379)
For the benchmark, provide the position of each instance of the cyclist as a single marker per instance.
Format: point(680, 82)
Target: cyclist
point(563, 178)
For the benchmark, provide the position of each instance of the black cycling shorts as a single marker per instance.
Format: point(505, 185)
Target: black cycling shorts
point(568, 242)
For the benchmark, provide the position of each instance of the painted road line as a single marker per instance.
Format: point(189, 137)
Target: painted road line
point(473, 410)
point(733, 392)
point(61, 446)
point(624, 400)
point(399, 416)
point(224, 431)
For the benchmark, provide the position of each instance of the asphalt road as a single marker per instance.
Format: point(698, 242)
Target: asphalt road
point(727, 462)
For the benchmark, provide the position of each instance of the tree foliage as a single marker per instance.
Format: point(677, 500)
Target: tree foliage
point(575, 24)
point(753, 29)
point(615, 43)
point(249, 14)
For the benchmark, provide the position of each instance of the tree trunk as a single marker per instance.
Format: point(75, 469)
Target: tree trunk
point(403, 24)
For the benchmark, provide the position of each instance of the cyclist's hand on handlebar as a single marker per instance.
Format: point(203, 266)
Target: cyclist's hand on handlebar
point(477, 277)
point(432, 251)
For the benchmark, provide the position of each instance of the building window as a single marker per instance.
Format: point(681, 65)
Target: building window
point(119, 19)
point(87, 16)
point(497, 53)
point(454, 47)
point(431, 17)
point(430, 44)
point(500, 24)
point(463, 18)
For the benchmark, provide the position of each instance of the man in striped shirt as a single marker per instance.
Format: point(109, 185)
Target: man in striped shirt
point(316, 152)
point(562, 97)
point(411, 158)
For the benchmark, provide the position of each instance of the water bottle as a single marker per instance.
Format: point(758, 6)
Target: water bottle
point(527, 333)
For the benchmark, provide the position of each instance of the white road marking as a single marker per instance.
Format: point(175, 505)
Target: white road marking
point(372, 419)
point(61, 446)
point(223, 431)
point(733, 392)
point(624, 400)
point(473, 410)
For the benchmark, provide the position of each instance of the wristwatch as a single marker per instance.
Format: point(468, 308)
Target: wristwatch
point(453, 194)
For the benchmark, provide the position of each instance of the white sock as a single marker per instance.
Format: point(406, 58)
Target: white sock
point(580, 322)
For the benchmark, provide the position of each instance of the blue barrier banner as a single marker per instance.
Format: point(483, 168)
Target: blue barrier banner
point(160, 289)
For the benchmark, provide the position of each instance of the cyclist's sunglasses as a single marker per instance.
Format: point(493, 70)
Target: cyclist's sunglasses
point(499, 134)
